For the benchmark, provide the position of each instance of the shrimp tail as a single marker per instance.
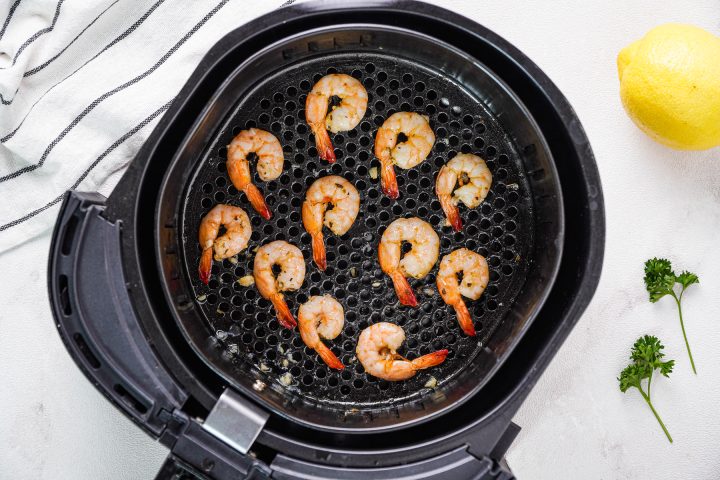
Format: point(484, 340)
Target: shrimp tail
point(327, 355)
point(388, 180)
point(464, 318)
point(284, 315)
point(403, 289)
point(430, 360)
point(257, 200)
point(324, 144)
point(318, 248)
point(451, 211)
point(205, 265)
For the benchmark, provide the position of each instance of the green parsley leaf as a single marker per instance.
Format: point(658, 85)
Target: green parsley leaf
point(647, 356)
point(630, 377)
point(686, 279)
point(660, 280)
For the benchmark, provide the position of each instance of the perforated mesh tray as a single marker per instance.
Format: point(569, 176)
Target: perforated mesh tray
point(518, 227)
point(501, 230)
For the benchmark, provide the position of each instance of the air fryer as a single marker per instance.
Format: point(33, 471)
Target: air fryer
point(199, 366)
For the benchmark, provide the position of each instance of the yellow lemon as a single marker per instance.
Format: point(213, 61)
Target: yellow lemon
point(670, 85)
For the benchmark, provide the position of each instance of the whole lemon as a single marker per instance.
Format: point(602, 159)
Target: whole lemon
point(670, 85)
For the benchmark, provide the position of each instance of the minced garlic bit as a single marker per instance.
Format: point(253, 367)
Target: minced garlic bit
point(285, 363)
point(429, 292)
point(259, 386)
point(373, 173)
point(431, 383)
point(201, 298)
point(376, 284)
point(232, 260)
point(246, 281)
point(286, 379)
point(264, 368)
point(353, 272)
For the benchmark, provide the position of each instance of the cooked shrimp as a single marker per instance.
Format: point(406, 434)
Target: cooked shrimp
point(377, 352)
point(318, 318)
point(416, 263)
point(233, 241)
point(407, 154)
point(474, 177)
point(475, 275)
point(342, 117)
point(290, 260)
point(270, 161)
point(345, 201)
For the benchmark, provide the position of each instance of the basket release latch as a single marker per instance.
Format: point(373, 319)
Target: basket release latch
point(235, 421)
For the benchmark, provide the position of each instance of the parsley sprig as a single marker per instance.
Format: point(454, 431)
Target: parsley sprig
point(660, 280)
point(646, 356)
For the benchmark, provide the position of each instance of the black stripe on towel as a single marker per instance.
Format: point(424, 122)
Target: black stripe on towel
point(40, 67)
point(127, 32)
point(9, 17)
point(112, 147)
point(101, 98)
point(37, 35)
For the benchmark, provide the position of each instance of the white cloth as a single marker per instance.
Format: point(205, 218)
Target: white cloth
point(575, 424)
point(81, 86)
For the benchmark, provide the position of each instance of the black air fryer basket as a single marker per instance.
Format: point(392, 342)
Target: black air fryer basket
point(200, 366)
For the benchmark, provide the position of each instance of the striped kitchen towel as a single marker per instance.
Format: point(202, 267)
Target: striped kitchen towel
point(81, 86)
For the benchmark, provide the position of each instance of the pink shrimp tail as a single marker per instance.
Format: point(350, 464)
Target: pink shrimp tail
point(464, 318)
point(430, 360)
point(318, 248)
point(388, 180)
point(451, 212)
point(257, 200)
point(403, 289)
point(205, 265)
point(284, 315)
point(324, 144)
point(327, 355)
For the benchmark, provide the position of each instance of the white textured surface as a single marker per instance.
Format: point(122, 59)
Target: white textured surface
point(576, 423)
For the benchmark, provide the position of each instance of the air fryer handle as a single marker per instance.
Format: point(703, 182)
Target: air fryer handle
point(95, 317)
point(175, 469)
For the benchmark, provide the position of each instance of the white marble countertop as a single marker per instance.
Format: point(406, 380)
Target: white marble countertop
point(576, 423)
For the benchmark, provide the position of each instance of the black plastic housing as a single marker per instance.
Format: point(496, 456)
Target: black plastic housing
point(476, 427)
